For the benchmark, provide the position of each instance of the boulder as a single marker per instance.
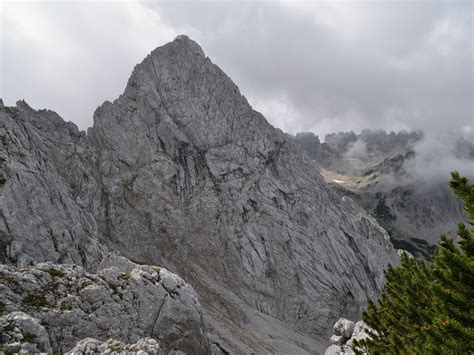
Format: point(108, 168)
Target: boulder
point(344, 327)
point(21, 333)
point(337, 340)
point(114, 259)
point(71, 304)
point(346, 332)
point(360, 332)
point(334, 350)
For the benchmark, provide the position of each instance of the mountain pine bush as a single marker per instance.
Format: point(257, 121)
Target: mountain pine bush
point(428, 309)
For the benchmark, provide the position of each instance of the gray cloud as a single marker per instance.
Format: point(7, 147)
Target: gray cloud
point(437, 156)
point(318, 66)
point(72, 56)
point(387, 65)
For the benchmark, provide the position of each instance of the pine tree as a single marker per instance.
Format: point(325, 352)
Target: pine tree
point(428, 309)
point(453, 268)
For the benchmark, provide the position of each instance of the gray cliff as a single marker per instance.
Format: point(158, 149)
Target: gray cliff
point(180, 171)
point(42, 163)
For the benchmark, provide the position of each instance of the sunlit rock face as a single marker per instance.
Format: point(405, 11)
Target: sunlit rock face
point(180, 171)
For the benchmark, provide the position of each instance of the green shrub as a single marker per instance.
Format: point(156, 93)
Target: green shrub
point(29, 338)
point(55, 272)
point(35, 301)
point(428, 309)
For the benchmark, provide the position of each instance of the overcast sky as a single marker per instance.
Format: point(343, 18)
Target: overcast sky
point(315, 66)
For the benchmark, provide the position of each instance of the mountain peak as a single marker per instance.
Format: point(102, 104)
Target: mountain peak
point(180, 171)
point(183, 44)
point(178, 82)
point(186, 41)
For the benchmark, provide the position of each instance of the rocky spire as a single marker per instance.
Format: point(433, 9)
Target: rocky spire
point(182, 172)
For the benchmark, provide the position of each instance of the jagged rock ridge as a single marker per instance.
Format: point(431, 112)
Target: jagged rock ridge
point(374, 168)
point(180, 171)
point(59, 305)
point(348, 152)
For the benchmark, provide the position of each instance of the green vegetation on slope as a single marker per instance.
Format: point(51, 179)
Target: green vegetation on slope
point(376, 207)
point(429, 309)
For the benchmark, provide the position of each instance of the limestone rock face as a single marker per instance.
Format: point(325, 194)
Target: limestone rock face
point(180, 171)
point(344, 327)
point(337, 340)
point(21, 333)
point(92, 346)
point(215, 191)
point(71, 305)
point(42, 173)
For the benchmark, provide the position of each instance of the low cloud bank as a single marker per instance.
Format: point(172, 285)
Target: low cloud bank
point(421, 158)
point(437, 155)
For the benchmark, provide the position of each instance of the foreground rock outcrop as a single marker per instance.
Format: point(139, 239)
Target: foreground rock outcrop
point(345, 333)
point(180, 171)
point(21, 333)
point(55, 306)
point(145, 346)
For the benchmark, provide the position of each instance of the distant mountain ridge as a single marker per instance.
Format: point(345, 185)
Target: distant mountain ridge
point(368, 148)
point(375, 168)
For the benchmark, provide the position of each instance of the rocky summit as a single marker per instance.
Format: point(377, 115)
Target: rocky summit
point(179, 172)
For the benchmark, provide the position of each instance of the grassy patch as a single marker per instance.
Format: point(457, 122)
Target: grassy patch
point(55, 272)
point(126, 275)
point(29, 338)
point(117, 349)
point(66, 306)
point(114, 288)
point(35, 301)
point(4, 280)
point(86, 283)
